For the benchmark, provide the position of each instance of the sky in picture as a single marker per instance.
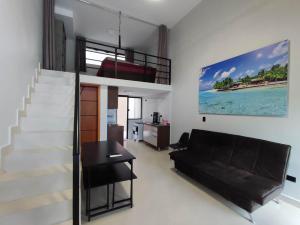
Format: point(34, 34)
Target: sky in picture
point(247, 64)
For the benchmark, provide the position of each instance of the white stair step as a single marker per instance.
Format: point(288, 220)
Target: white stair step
point(60, 168)
point(31, 159)
point(56, 80)
point(45, 215)
point(29, 140)
point(53, 95)
point(33, 186)
point(50, 88)
point(47, 123)
point(52, 99)
point(69, 222)
point(50, 110)
point(54, 73)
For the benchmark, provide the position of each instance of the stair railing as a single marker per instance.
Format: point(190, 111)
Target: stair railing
point(76, 142)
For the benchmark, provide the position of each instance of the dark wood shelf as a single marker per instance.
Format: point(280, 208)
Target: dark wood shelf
point(104, 175)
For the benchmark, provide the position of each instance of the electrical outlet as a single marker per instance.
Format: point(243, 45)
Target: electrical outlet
point(291, 178)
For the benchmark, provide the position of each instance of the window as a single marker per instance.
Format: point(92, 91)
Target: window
point(95, 57)
point(134, 108)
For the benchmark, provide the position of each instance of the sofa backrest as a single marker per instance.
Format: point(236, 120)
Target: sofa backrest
point(246, 151)
point(273, 161)
point(264, 158)
point(223, 147)
point(201, 142)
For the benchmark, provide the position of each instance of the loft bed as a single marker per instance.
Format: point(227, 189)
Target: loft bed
point(126, 70)
point(115, 63)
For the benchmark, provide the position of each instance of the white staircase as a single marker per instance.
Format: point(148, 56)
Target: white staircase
point(36, 173)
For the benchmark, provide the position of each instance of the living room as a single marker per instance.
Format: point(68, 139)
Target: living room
point(231, 84)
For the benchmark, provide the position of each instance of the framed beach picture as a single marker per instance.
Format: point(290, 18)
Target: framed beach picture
point(255, 83)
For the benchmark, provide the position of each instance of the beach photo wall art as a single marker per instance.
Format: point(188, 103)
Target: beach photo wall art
point(255, 83)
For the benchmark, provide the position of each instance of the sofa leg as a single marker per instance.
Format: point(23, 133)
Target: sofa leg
point(276, 201)
point(251, 218)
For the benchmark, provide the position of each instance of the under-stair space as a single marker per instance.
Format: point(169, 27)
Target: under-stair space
point(36, 171)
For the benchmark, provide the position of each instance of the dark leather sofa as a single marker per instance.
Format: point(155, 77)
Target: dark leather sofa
point(246, 171)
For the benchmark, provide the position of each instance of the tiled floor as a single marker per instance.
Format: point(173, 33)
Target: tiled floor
point(165, 197)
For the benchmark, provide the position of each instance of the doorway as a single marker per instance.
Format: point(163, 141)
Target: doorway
point(129, 112)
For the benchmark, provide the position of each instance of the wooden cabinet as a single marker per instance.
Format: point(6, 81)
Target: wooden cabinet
point(115, 133)
point(113, 93)
point(157, 135)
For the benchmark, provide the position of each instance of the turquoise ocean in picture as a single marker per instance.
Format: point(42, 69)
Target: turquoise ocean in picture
point(254, 84)
point(261, 101)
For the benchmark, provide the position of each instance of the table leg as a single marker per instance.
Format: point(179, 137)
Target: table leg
point(88, 199)
point(131, 184)
point(86, 202)
point(107, 199)
point(113, 195)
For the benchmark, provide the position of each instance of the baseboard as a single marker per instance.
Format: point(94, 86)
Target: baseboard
point(3, 149)
point(291, 200)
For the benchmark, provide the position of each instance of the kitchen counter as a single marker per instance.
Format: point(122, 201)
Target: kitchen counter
point(156, 125)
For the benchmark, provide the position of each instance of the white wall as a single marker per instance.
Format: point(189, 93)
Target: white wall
point(149, 106)
point(70, 55)
point(217, 30)
point(103, 112)
point(164, 106)
point(21, 50)
point(160, 103)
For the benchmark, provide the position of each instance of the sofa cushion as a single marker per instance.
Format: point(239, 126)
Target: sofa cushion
point(245, 153)
point(255, 187)
point(222, 172)
point(235, 180)
point(185, 161)
point(186, 156)
point(272, 161)
point(223, 147)
point(201, 142)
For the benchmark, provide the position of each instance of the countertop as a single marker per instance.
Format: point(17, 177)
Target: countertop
point(157, 125)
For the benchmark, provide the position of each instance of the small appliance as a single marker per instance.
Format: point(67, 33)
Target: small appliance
point(156, 118)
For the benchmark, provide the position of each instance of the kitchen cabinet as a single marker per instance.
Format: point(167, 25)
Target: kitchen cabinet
point(157, 135)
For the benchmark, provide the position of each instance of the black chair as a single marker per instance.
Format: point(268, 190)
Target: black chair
point(182, 143)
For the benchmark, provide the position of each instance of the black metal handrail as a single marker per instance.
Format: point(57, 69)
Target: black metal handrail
point(76, 142)
point(162, 65)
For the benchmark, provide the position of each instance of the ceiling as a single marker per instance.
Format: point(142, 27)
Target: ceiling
point(100, 24)
point(168, 12)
